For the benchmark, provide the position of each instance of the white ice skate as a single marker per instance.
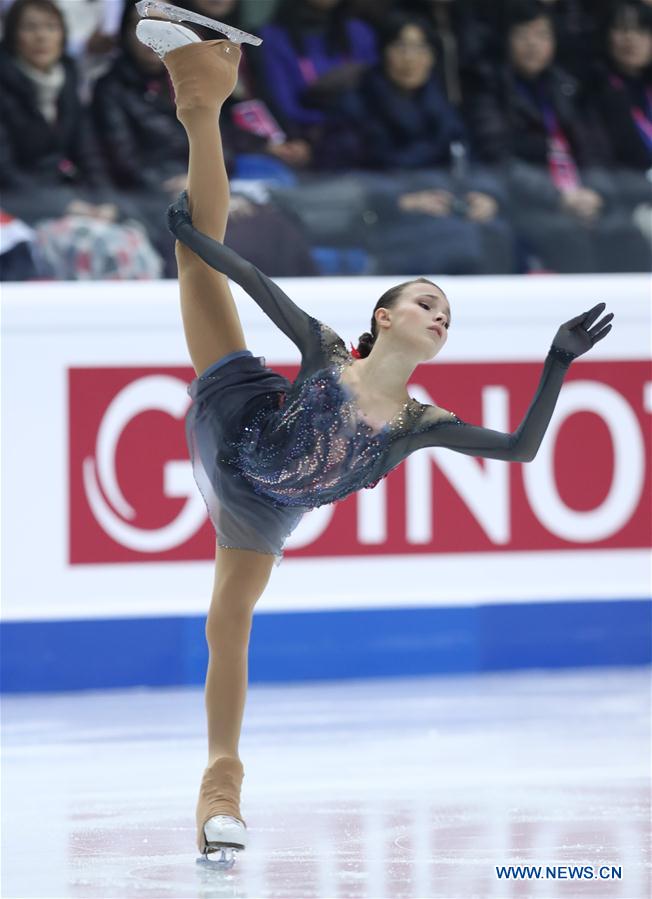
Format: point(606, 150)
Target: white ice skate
point(161, 10)
point(161, 37)
point(225, 837)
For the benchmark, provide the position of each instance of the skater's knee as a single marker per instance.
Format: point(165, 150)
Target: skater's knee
point(229, 618)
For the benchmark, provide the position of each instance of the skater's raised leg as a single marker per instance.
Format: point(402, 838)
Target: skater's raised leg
point(204, 74)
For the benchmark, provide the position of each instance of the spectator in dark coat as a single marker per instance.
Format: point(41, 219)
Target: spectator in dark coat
point(462, 39)
point(403, 121)
point(623, 95)
point(312, 51)
point(531, 119)
point(145, 147)
point(147, 151)
point(49, 161)
point(624, 85)
point(574, 22)
point(399, 111)
point(258, 144)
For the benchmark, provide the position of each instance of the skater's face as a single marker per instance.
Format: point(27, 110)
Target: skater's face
point(420, 318)
point(39, 38)
point(409, 58)
point(532, 47)
point(630, 44)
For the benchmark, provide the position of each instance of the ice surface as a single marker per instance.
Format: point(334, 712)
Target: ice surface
point(386, 788)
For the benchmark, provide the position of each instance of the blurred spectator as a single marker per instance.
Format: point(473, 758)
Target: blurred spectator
point(312, 51)
point(145, 147)
point(135, 116)
point(50, 165)
point(461, 38)
point(147, 152)
point(48, 156)
point(46, 135)
point(260, 148)
point(624, 85)
point(532, 121)
point(399, 112)
point(444, 219)
point(624, 98)
point(574, 22)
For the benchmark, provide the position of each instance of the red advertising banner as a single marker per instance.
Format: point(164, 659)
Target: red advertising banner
point(132, 496)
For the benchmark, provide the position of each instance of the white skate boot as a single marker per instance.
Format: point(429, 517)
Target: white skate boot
point(221, 829)
point(162, 37)
point(225, 836)
point(161, 10)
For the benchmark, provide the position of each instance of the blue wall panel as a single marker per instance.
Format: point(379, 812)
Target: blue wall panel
point(123, 652)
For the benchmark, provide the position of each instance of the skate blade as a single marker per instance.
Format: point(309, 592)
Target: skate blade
point(221, 858)
point(176, 14)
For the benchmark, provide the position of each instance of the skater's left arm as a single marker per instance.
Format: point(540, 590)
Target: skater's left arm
point(293, 321)
point(447, 430)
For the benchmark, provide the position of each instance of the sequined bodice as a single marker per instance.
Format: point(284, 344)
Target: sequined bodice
point(317, 448)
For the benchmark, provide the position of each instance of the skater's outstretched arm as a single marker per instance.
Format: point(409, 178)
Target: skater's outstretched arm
point(301, 328)
point(572, 339)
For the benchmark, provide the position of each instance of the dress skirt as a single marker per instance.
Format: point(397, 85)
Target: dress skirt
point(224, 398)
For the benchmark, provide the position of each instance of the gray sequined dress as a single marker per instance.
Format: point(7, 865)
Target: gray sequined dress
point(266, 450)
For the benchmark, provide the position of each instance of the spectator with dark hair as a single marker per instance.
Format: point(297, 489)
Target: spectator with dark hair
point(434, 218)
point(260, 147)
point(146, 149)
point(45, 136)
point(574, 22)
point(51, 172)
point(312, 51)
point(624, 84)
point(623, 96)
point(532, 120)
point(399, 110)
point(462, 39)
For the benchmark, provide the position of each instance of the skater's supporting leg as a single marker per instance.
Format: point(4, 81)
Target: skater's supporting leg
point(240, 579)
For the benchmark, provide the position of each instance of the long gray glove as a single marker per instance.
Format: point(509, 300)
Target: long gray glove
point(573, 338)
point(576, 336)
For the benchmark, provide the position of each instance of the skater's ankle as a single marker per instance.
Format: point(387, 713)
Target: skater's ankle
point(214, 755)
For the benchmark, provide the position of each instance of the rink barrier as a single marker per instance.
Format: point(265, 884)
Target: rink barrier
point(450, 564)
point(296, 646)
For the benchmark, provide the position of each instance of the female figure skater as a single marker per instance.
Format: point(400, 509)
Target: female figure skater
point(265, 450)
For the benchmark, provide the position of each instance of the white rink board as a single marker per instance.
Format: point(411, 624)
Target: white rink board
point(48, 328)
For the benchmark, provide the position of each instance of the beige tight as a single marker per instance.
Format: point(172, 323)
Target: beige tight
point(213, 329)
point(241, 576)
